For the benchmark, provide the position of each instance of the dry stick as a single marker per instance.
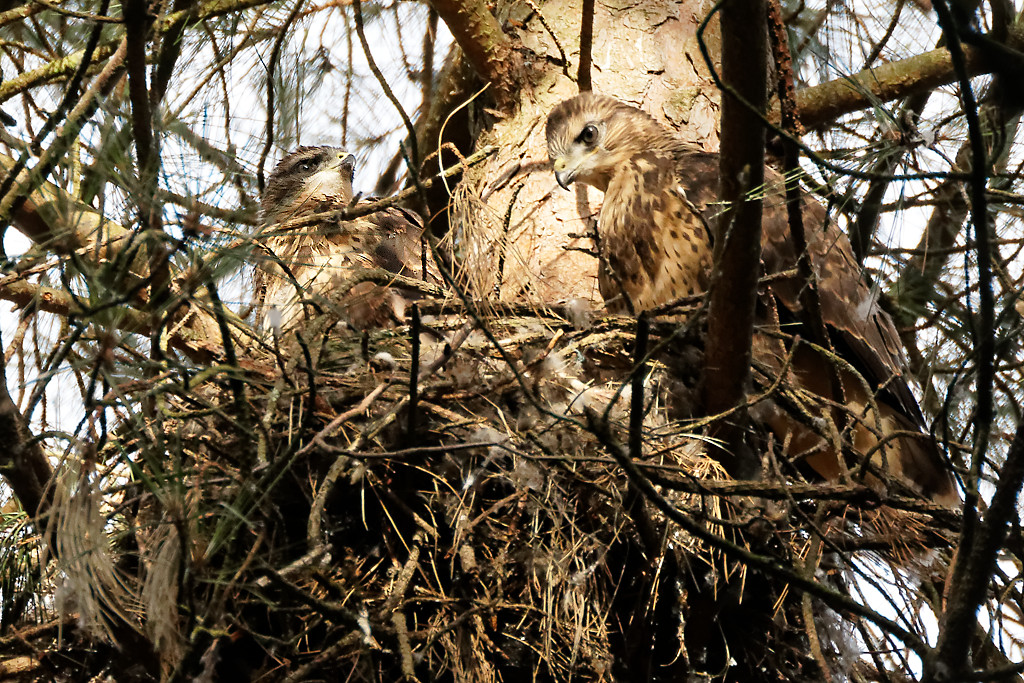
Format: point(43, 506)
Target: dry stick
point(809, 299)
point(455, 623)
point(972, 570)
point(649, 536)
point(636, 397)
point(275, 56)
point(414, 160)
point(586, 46)
point(811, 565)
point(334, 612)
point(503, 242)
point(310, 376)
point(303, 562)
point(318, 440)
point(330, 654)
point(876, 51)
point(238, 387)
point(404, 577)
point(562, 61)
point(398, 592)
point(414, 371)
point(404, 647)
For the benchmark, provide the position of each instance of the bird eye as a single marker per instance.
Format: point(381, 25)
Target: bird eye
point(306, 165)
point(588, 135)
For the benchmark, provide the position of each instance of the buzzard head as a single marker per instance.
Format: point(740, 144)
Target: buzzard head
point(591, 137)
point(306, 176)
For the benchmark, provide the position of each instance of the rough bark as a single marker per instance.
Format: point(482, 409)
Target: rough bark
point(486, 46)
point(738, 232)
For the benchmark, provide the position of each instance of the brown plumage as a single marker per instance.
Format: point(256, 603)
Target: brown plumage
point(308, 269)
point(655, 246)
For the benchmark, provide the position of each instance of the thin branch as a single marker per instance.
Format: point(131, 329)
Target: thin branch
point(414, 153)
point(790, 119)
point(27, 182)
point(972, 574)
point(974, 562)
point(275, 57)
point(170, 51)
point(586, 46)
point(636, 397)
point(62, 68)
point(57, 70)
point(914, 289)
point(58, 116)
point(414, 371)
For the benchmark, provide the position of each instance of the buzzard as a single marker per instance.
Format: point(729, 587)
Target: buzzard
point(307, 268)
point(655, 246)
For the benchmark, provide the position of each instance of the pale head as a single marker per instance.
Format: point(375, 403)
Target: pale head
point(306, 176)
point(591, 136)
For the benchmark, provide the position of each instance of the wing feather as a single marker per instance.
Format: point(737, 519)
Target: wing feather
point(317, 264)
point(860, 330)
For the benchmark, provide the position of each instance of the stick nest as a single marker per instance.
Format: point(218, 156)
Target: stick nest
point(313, 513)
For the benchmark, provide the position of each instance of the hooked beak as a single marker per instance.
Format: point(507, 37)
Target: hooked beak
point(564, 175)
point(344, 160)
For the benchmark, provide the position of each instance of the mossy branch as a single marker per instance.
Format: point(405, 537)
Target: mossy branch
point(823, 104)
point(488, 49)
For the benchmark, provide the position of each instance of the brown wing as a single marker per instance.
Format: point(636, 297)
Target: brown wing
point(399, 246)
point(402, 247)
point(860, 330)
point(318, 269)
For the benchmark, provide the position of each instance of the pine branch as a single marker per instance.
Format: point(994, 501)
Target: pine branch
point(822, 104)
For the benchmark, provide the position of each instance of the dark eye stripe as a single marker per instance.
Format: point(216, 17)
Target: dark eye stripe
point(310, 162)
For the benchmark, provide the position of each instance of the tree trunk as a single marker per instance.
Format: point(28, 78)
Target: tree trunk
point(519, 233)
